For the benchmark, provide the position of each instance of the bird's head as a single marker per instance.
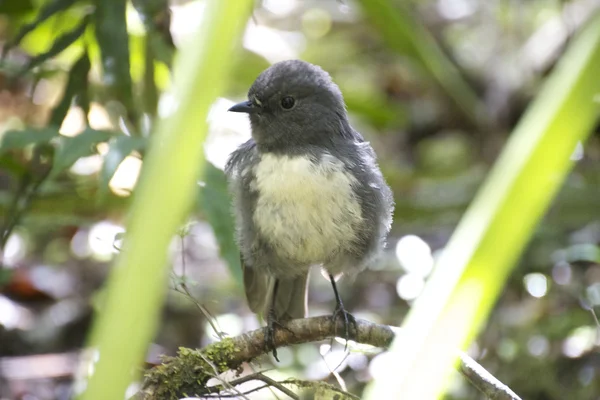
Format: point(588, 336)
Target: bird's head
point(294, 102)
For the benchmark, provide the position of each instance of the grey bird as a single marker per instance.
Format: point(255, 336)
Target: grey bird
point(307, 191)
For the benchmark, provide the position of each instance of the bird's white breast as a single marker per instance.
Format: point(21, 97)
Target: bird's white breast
point(306, 209)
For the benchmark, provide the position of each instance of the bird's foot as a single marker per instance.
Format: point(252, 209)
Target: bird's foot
point(347, 319)
point(272, 325)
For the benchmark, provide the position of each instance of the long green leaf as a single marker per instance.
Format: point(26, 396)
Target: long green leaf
point(13, 140)
point(406, 35)
point(137, 284)
point(70, 149)
point(473, 268)
point(112, 37)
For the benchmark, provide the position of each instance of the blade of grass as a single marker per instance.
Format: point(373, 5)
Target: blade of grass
point(405, 35)
point(473, 268)
point(138, 281)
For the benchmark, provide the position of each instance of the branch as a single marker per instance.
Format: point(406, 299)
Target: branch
point(188, 373)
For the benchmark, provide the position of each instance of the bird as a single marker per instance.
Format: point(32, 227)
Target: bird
point(307, 191)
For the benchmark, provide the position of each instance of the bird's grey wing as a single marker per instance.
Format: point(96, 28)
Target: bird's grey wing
point(257, 286)
point(240, 156)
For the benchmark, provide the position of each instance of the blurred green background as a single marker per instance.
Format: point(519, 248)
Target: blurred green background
point(436, 86)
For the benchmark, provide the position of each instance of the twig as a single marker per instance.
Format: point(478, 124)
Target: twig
point(23, 196)
point(269, 383)
point(173, 378)
point(227, 385)
point(487, 383)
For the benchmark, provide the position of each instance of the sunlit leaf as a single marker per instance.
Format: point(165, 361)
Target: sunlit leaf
point(215, 204)
point(76, 85)
point(48, 9)
point(60, 44)
point(119, 148)
point(70, 149)
point(12, 140)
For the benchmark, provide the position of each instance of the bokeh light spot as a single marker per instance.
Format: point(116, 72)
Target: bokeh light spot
point(101, 240)
point(414, 255)
point(126, 176)
point(579, 341)
point(410, 286)
point(14, 250)
point(316, 23)
point(538, 346)
point(536, 284)
point(562, 273)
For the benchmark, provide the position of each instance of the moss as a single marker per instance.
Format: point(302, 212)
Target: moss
point(187, 373)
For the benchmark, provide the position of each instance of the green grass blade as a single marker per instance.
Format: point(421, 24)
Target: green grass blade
point(471, 273)
point(137, 284)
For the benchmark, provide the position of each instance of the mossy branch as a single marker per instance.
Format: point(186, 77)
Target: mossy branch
point(187, 374)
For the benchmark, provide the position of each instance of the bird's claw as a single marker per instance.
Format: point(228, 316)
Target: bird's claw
point(272, 325)
point(347, 318)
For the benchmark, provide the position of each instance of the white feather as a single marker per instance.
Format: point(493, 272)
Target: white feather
point(308, 210)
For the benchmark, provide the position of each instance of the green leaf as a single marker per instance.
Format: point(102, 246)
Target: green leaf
point(12, 140)
point(76, 85)
point(488, 242)
point(113, 39)
point(163, 198)
point(215, 204)
point(48, 10)
point(70, 149)
point(119, 148)
point(59, 44)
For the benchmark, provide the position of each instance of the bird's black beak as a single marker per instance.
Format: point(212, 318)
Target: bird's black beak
point(244, 107)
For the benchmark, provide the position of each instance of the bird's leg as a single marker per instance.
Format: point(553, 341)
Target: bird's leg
point(340, 311)
point(270, 332)
point(272, 323)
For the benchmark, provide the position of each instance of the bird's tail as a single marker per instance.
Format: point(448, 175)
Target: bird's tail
point(290, 298)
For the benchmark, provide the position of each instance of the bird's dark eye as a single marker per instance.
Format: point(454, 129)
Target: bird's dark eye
point(288, 102)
